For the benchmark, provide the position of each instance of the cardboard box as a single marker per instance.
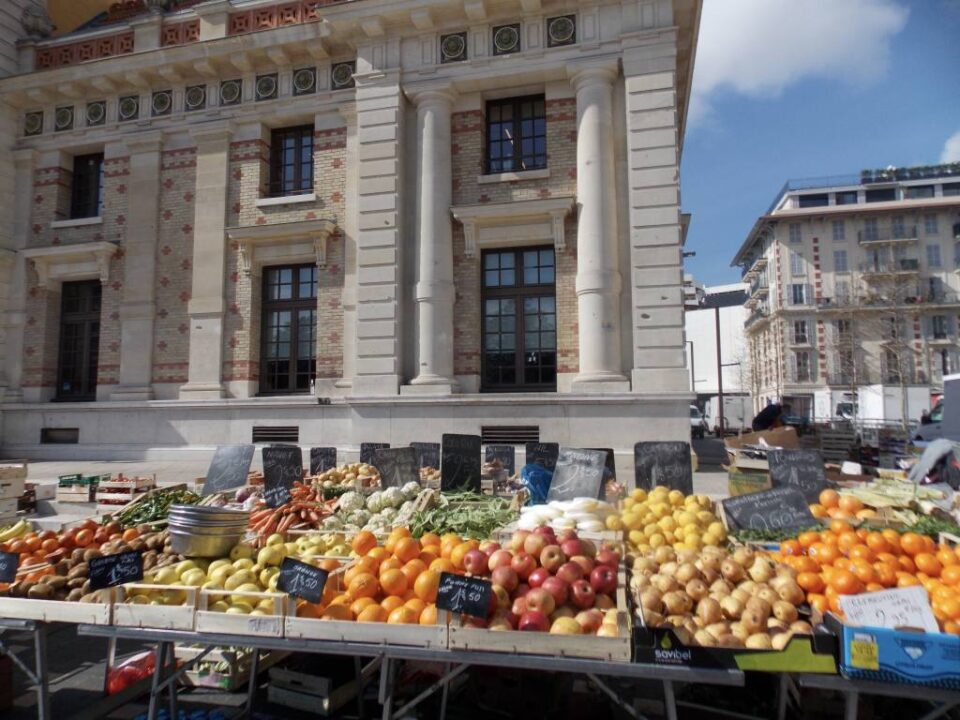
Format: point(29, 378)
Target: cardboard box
point(742, 483)
point(784, 437)
point(900, 656)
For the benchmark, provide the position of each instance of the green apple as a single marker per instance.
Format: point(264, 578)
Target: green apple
point(221, 574)
point(239, 608)
point(167, 576)
point(270, 556)
point(219, 606)
point(241, 550)
point(275, 539)
point(243, 563)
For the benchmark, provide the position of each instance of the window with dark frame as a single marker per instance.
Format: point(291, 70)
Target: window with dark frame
point(291, 161)
point(79, 341)
point(86, 197)
point(288, 356)
point(519, 320)
point(516, 134)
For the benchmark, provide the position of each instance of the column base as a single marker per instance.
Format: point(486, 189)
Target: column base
point(661, 380)
point(132, 393)
point(376, 386)
point(600, 383)
point(430, 390)
point(200, 391)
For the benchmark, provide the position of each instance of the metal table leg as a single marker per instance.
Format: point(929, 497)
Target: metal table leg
point(43, 679)
point(851, 702)
point(445, 693)
point(157, 680)
point(783, 690)
point(252, 685)
point(171, 676)
point(670, 700)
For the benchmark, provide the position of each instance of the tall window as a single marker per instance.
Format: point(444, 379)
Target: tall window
point(840, 261)
point(839, 230)
point(870, 231)
point(79, 341)
point(795, 233)
point(933, 256)
point(803, 366)
point(288, 349)
point(519, 320)
point(843, 329)
point(800, 332)
point(897, 228)
point(798, 294)
point(291, 161)
point(516, 134)
point(938, 327)
point(86, 197)
point(796, 264)
point(842, 291)
point(930, 224)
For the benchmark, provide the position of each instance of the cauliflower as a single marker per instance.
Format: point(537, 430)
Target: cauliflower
point(375, 502)
point(351, 501)
point(359, 517)
point(393, 497)
point(387, 513)
point(410, 490)
point(332, 523)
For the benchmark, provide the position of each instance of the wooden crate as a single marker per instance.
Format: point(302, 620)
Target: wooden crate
point(835, 445)
point(114, 494)
point(160, 617)
point(503, 534)
point(14, 469)
point(76, 493)
point(12, 487)
point(310, 693)
point(57, 611)
point(236, 676)
point(257, 625)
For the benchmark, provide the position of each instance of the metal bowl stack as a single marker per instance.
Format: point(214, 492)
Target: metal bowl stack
point(198, 531)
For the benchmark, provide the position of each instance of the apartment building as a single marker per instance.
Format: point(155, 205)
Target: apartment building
point(329, 222)
point(854, 281)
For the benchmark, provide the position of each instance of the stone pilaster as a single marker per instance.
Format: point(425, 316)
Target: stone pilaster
point(349, 232)
point(207, 304)
point(598, 277)
point(138, 310)
point(434, 289)
point(659, 358)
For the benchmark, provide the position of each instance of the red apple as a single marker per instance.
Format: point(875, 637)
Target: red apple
point(501, 597)
point(604, 602)
point(589, 549)
point(540, 599)
point(534, 621)
point(500, 622)
point(534, 544)
point(506, 577)
point(537, 577)
point(560, 589)
point(475, 562)
point(524, 564)
point(572, 547)
point(590, 620)
point(488, 547)
point(498, 558)
point(547, 532)
point(474, 622)
point(516, 540)
point(552, 557)
point(582, 594)
point(569, 571)
point(522, 590)
point(586, 564)
point(603, 579)
point(608, 558)
point(519, 606)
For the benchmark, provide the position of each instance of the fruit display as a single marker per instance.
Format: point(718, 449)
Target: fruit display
point(351, 474)
point(14, 531)
point(842, 560)
point(471, 516)
point(894, 502)
point(154, 508)
point(668, 518)
point(580, 514)
point(713, 598)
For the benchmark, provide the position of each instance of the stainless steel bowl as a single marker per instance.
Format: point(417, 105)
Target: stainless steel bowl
point(193, 529)
point(202, 545)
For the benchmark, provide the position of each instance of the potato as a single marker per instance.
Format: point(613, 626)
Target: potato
point(91, 553)
point(81, 570)
point(737, 629)
point(709, 611)
point(732, 571)
point(744, 556)
point(759, 641)
point(769, 595)
point(762, 570)
point(753, 621)
point(791, 592)
point(40, 591)
point(57, 582)
point(704, 639)
point(801, 628)
point(732, 607)
point(697, 589)
point(729, 641)
point(785, 612)
point(651, 599)
point(686, 572)
point(760, 605)
point(74, 595)
point(742, 595)
point(781, 640)
point(721, 587)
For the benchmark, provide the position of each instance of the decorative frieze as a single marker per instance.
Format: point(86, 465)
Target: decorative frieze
point(84, 51)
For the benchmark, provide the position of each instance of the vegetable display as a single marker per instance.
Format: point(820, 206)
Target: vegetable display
point(153, 508)
point(378, 512)
point(465, 514)
point(350, 474)
point(302, 511)
point(581, 514)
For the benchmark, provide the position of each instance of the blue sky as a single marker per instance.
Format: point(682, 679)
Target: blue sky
point(786, 89)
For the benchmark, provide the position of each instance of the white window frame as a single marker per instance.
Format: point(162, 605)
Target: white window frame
point(797, 265)
point(839, 230)
point(796, 232)
point(934, 258)
point(930, 224)
point(837, 265)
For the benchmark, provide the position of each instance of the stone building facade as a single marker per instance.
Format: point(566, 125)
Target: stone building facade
point(343, 222)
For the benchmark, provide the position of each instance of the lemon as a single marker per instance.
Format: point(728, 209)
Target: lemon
point(636, 523)
point(667, 523)
point(685, 518)
point(656, 540)
point(614, 522)
point(709, 539)
point(627, 519)
point(669, 537)
point(639, 495)
point(628, 503)
point(637, 537)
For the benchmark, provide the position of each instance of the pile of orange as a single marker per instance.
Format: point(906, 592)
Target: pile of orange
point(841, 560)
point(840, 507)
point(394, 583)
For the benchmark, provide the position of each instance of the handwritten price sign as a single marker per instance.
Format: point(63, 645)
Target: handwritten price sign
point(464, 595)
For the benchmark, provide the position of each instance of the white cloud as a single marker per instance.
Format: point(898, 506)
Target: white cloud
point(760, 47)
point(951, 149)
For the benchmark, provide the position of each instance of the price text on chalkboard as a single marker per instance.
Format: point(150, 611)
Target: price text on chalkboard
point(663, 463)
point(464, 595)
point(579, 473)
point(282, 467)
point(229, 468)
point(610, 467)
point(429, 454)
point(800, 469)
point(112, 570)
point(367, 451)
point(778, 509)
point(543, 454)
point(298, 579)
point(8, 566)
point(397, 466)
point(460, 463)
point(322, 459)
point(506, 454)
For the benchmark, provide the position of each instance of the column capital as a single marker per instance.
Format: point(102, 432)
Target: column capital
point(145, 143)
point(213, 133)
point(593, 72)
point(427, 95)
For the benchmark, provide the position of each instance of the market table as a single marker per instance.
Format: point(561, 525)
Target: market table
point(39, 675)
point(945, 700)
point(455, 661)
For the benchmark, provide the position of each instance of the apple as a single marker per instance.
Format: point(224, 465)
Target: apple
point(560, 589)
point(537, 577)
point(608, 630)
point(500, 622)
point(589, 549)
point(488, 547)
point(604, 602)
point(603, 579)
point(517, 540)
point(519, 606)
point(498, 558)
point(534, 544)
point(590, 620)
point(566, 534)
point(524, 564)
point(541, 600)
point(565, 611)
point(533, 621)
point(585, 562)
point(571, 547)
point(552, 557)
point(547, 532)
point(474, 622)
point(565, 626)
point(521, 591)
point(475, 562)
point(569, 571)
point(506, 577)
point(608, 558)
point(501, 597)
point(582, 595)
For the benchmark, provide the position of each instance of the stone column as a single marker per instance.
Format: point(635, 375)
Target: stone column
point(207, 304)
point(598, 278)
point(138, 310)
point(434, 290)
point(349, 234)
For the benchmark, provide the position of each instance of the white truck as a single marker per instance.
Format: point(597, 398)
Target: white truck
point(945, 416)
point(737, 414)
point(834, 405)
point(882, 404)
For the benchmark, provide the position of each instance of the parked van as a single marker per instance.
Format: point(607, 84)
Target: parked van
point(696, 422)
point(945, 415)
point(737, 414)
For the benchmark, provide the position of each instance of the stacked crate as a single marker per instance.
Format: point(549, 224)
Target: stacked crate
point(13, 478)
point(113, 494)
point(78, 488)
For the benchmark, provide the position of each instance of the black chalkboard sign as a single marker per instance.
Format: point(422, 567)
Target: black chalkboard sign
point(8, 566)
point(298, 579)
point(800, 469)
point(282, 467)
point(429, 454)
point(663, 463)
point(322, 459)
point(579, 473)
point(228, 469)
point(506, 454)
point(464, 595)
point(397, 466)
point(460, 463)
point(782, 508)
point(367, 451)
point(111, 570)
point(543, 454)
point(610, 467)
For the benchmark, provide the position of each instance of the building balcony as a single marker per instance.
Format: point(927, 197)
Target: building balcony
point(758, 315)
point(897, 266)
point(755, 268)
point(759, 289)
point(888, 235)
point(941, 339)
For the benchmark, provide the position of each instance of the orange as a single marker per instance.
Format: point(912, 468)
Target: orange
point(824, 554)
point(907, 580)
point(806, 564)
point(808, 538)
point(442, 565)
point(791, 547)
point(818, 601)
point(378, 553)
point(912, 543)
point(130, 534)
point(417, 605)
point(427, 555)
point(866, 573)
point(32, 542)
point(391, 602)
point(831, 539)
point(906, 564)
point(846, 583)
point(951, 575)
point(429, 615)
point(360, 604)
point(829, 498)
point(951, 608)
point(403, 616)
point(329, 564)
point(861, 552)
point(363, 542)
point(850, 504)
point(83, 538)
point(430, 538)
point(406, 549)
point(811, 582)
point(391, 563)
point(886, 557)
point(427, 583)
point(847, 541)
point(874, 587)
point(307, 610)
point(393, 582)
point(49, 545)
point(412, 570)
point(838, 527)
point(928, 544)
point(862, 534)
point(372, 613)
point(886, 573)
point(843, 563)
point(336, 612)
point(818, 511)
point(892, 537)
point(947, 557)
point(952, 628)
point(363, 585)
point(928, 564)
